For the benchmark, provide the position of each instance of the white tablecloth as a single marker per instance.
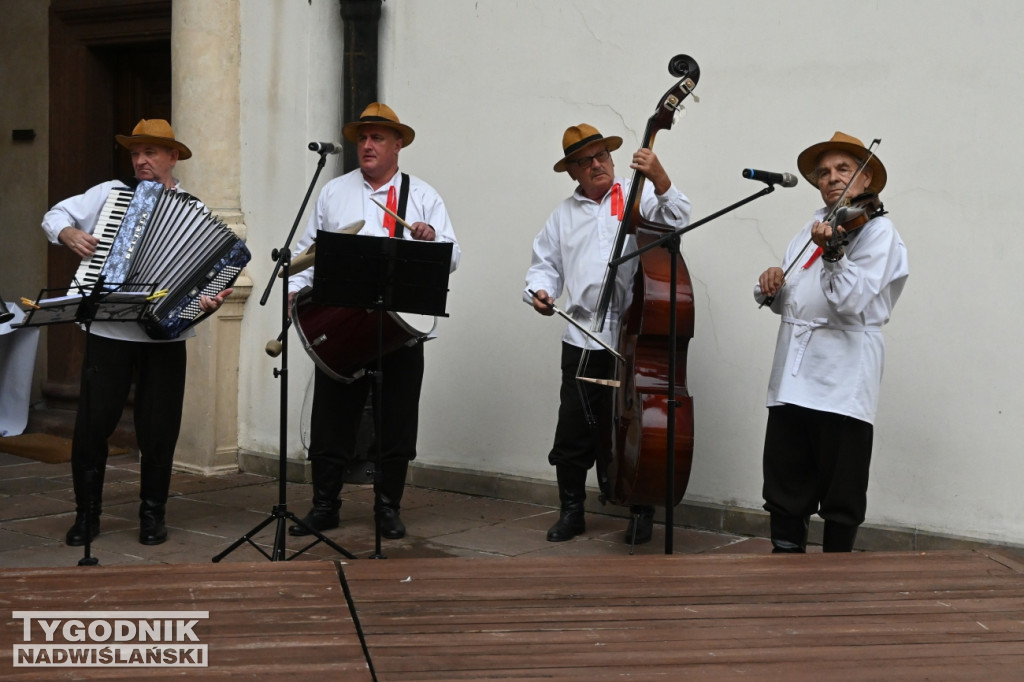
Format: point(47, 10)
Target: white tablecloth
point(17, 362)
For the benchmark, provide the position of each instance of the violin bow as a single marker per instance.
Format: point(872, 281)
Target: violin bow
point(567, 317)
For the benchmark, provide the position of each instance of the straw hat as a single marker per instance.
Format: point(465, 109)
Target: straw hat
point(381, 115)
point(154, 131)
point(576, 138)
point(807, 162)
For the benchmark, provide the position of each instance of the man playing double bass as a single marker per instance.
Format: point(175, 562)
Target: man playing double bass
point(571, 254)
point(823, 390)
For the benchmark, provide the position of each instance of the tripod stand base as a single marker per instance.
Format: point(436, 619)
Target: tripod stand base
point(281, 515)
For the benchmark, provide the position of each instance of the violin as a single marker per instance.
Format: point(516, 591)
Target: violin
point(851, 217)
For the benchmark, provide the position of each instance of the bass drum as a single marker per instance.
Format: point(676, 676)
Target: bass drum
point(343, 341)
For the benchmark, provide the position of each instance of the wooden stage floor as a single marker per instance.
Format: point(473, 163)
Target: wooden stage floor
point(945, 615)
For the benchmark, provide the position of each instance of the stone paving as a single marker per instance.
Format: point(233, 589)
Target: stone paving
point(207, 514)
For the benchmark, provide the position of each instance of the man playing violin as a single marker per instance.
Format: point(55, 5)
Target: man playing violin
point(829, 354)
point(571, 253)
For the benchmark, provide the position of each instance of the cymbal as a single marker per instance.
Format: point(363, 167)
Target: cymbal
point(306, 259)
point(352, 228)
point(302, 261)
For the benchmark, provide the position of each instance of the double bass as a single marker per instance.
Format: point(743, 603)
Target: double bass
point(651, 408)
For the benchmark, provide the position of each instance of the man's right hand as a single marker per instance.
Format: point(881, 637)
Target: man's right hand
point(543, 303)
point(770, 281)
point(82, 243)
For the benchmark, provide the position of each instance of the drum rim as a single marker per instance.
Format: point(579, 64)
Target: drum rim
point(397, 317)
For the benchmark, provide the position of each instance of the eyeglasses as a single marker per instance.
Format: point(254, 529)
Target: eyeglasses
point(585, 161)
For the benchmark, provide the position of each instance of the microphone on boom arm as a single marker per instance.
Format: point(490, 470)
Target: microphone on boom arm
point(325, 147)
point(784, 179)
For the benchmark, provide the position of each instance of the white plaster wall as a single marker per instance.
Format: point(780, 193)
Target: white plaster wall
point(291, 95)
point(489, 87)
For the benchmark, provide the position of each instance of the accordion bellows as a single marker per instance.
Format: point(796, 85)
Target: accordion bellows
point(160, 239)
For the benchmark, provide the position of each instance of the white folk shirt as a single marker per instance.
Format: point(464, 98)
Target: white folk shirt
point(346, 199)
point(571, 253)
point(82, 212)
point(830, 352)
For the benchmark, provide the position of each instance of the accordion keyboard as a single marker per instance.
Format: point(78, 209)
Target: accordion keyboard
point(107, 226)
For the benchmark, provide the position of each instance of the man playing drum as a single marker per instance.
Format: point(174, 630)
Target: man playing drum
point(337, 405)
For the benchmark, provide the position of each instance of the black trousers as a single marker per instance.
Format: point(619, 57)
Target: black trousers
point(338, 409)
point(816, 462)
point(158, 370)
point(579, 442)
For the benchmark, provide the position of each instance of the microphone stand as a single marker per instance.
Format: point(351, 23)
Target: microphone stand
point(280, 512)
point(85, 315)
point(671, 241)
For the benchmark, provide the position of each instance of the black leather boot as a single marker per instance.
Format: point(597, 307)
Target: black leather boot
point(641, 525)
point(152, 529)
point(322, 516)
point(87, 522)
point(389, 489)
point(327, 483)
point(838, 537)
point(88, 496)
point(572, 493)
point(154, 485)
point(789, 534)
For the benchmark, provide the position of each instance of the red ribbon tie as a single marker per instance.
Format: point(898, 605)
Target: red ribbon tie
point(618, 204)
point(814, 257)
point(389, 220)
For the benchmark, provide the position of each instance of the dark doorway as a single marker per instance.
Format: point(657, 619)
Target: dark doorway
point(110, 65)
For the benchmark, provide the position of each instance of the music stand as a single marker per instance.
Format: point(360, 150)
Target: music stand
point(382, 274)
point(100, 303)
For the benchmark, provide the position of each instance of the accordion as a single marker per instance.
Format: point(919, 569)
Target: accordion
point(159, 237)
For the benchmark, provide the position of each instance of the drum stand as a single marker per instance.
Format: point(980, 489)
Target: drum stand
point(382, 274)
point(280, 513)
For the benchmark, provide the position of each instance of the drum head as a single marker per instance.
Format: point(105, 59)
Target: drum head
point(342, 341)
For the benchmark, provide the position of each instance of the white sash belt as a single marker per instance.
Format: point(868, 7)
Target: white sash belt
point(806, 329)
point(585, 317)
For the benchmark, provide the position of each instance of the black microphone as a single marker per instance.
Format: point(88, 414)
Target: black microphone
point(325, 147)
point(784, 179)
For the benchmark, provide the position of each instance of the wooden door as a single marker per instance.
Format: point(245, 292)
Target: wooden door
point(110, 65)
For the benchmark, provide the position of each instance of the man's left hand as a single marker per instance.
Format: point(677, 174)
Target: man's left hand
point(646, 161)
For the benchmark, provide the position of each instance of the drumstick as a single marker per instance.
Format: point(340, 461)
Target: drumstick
point(392, 213)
